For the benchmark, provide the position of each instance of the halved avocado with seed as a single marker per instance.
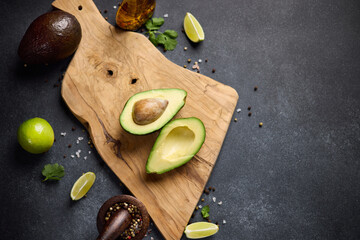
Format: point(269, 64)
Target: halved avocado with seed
point(148, 111)
point(177, 143)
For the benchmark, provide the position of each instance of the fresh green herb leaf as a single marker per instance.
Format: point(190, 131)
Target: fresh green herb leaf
point(158, 21)
point(171, 33)
point(53, 171)
point(154, 24)
point(170, 44)
point(167, 39)
point(151, 28)
point(161, 39)
point(205, 211)
point(152, 38)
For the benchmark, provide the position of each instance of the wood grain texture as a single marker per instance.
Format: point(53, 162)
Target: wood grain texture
point(96, 86)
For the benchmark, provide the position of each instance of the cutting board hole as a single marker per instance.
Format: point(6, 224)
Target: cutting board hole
point(133, 81)
point(110, 72)
point(80, 7)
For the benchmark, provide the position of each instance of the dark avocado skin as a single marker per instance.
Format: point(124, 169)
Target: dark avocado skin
point(51, 37)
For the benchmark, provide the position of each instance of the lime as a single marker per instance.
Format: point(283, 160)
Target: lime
point(82, 185)
point(193, 28)
point(35, 135)
point(200, 230)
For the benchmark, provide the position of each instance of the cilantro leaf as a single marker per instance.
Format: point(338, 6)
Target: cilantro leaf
point(154, 24)
point(53, 171)
point(151, 27)
point(167, 39)
point(158, 21)
point(205, 211)
point(161, 39)
point(152, 38)
point(171, 33)
point(170, 44)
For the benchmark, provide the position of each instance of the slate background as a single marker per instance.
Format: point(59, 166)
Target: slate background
point(297, 177)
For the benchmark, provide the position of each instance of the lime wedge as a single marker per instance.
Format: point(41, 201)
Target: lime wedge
point(82, 185)
point(193, 28)
point(200, 230)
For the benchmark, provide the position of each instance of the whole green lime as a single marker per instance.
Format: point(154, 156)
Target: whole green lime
point(35, 135)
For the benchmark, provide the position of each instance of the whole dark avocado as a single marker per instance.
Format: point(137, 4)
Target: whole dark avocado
point(51, 37)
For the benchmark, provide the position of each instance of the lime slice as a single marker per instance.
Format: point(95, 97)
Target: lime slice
point(193, 28)
point(35, 135)
point(82, 185)
point(200, 230)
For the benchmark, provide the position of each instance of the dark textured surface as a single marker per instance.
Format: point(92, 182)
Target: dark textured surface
point(297, 177)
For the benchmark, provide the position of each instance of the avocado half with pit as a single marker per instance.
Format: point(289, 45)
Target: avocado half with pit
point(177, 143)
point(148, 111)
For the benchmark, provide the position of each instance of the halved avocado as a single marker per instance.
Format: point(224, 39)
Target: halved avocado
point(148, 111)
point(177, 143)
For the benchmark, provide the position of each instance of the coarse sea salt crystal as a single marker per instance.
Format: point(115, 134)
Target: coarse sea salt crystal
point(214, 199)
point(224, 221)
point(200, 206)
point(77, 141)
point(238, 110)
point(77, 154)
point(220, 203)
point(89, 152)
point(63, 134)
point(114, 7)
point(166, 15)
point(199, 60)
point(85, 157)
point(72, 156)
point(80, 138)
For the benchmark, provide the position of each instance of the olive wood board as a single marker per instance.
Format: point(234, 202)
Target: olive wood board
point(110, 66)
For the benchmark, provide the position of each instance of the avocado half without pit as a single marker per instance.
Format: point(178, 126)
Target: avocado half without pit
point(148, 111)
point(177, 143)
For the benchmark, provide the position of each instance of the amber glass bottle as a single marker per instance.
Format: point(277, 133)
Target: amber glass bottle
point(134, 13)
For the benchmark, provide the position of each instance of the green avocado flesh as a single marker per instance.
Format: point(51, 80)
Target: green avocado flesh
point(175, 99)
point(177, 143)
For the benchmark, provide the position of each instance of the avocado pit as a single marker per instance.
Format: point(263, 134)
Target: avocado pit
point(146, 111)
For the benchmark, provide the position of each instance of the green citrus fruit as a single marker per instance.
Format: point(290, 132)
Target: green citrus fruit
point(82, 186)
point(200, 230)
point(193, 29)
point(35, 135)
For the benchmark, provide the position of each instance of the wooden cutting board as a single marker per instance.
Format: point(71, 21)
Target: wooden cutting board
point(110, 66)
